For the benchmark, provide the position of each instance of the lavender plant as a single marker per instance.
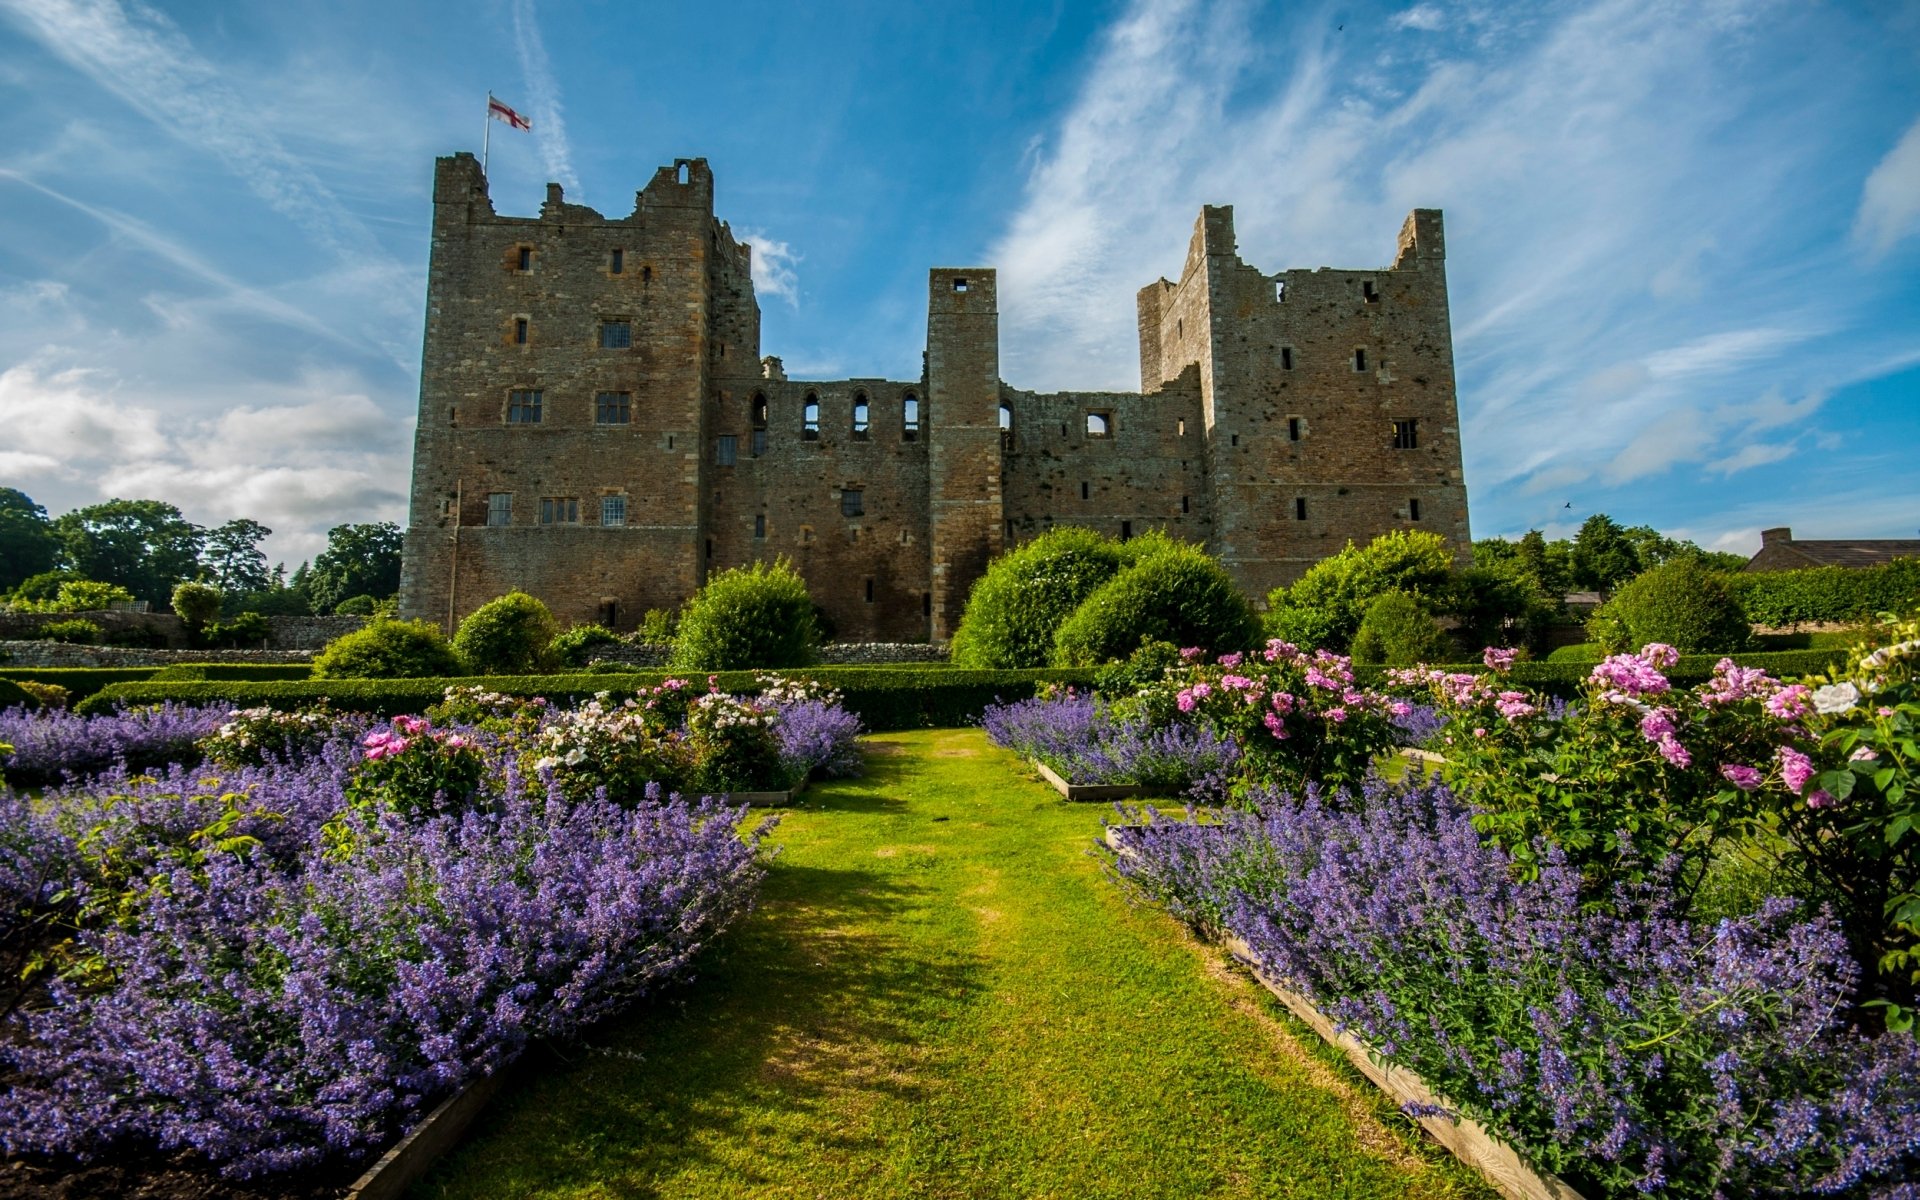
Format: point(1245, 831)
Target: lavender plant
point(1085, 741)
point(1620, 1046)
point(50, 745)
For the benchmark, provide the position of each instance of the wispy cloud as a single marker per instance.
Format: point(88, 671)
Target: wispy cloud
point(1890, 201)
point(774, 263)
point(139, 55)
point(549, 124)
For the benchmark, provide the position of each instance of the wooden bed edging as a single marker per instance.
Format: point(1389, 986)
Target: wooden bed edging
point(438, 1132)
point(1088, 791)
point(1467, 1140)
point(1419, 755)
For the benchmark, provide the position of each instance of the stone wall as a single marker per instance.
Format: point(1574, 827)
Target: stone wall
point(286, 633)
point(59, 654)
point(112, 623)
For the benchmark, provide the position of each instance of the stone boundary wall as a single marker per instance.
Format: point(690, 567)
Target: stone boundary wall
point(24, 625)
point(310, 633)
point(287, 633)
point(850, 654)
point(60, 654)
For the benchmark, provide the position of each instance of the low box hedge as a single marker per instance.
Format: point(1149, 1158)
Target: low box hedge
point(80, 682)
point(199, 672)
point(884, 697)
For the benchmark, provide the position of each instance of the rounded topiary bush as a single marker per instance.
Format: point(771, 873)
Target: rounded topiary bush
point(576, 646)
point(748, 618)
point(388, 650)
point(1017, 607)
point(508, 635)
point(1177, 595)
point(1681, 603)
point(355, 606)
point(196, 604)
point(1397, 631)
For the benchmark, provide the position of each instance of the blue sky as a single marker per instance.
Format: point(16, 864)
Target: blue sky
point(1683, 235)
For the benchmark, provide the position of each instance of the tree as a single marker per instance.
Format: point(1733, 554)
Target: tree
point(145, 546)
point(196, 604)
point(233, 559)
point(1603, 555)
point(28, 545)
point(1323, 610)
point(1549, 563)
point(360, 560)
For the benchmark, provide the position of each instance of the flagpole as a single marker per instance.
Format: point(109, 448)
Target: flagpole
point(486, 138)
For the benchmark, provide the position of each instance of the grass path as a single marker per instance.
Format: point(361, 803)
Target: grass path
point(941, 996)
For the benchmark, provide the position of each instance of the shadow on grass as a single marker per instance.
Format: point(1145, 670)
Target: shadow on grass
point(800, 1020)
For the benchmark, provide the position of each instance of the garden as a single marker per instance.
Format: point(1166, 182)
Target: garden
point(1647, 918)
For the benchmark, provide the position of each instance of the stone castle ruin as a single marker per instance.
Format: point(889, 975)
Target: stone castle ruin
point(598, 427)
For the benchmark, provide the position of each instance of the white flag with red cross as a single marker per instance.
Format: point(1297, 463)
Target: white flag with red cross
point(501, 112)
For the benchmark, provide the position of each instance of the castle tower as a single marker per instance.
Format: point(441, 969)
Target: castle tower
point(965, 509)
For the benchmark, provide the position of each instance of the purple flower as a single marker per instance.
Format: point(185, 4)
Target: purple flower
point(1795, 769)
point(1745, 778)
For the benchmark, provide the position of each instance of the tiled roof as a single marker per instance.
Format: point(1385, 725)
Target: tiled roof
point(1864, 553)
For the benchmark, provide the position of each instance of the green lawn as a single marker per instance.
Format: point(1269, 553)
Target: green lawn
point(941, 996)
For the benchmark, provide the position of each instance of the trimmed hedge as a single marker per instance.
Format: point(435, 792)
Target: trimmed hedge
point(884, 697)
point(1819, 594)
point(1565, 679)
point(80, 682)
point(197, 672)
point(12, 695)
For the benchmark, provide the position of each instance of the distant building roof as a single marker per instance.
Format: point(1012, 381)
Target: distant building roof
point(1781, 551)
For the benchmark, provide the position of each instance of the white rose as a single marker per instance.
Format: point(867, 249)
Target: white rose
point(1835, 698)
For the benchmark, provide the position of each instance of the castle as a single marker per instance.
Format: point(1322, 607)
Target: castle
point(597, 425)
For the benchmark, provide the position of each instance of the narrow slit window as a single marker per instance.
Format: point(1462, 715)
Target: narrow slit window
point(1299, 508)
point(1086, 490)
point(1006, 419)
point(1279, 291)
point(525, 258)
point(1126, 531)
point(759, 442)
point(1359, 358)
point(616, 334)
point(499, 508)
point(524, 407)
point(1413, 509)
point(926, 604)
point(613, 510)
point(709, 549)
point(1185, 504)
point(519, 331)
point(1368, 293)
point(759, 525)
point(909, 417)
point(1180, 427)
point(726, 450)
point(1286, 358)
point(869, 591)
point(1406, 434)
point(1233, 439)
point(759, 411)
point(1293, 429)
point(613, 408)
point(860, 417)
point(616, 262)
point(810, 419)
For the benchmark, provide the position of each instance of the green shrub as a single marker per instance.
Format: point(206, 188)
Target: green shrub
point(12, 695)
point(246, 629)
point(1581, 652)
point(658, 627)
point(1827, 594)
point(1177, 595)
point(387, 650)
point(510, 635)
point(1144, 667)
point(355, 606)
point(1398, 631)
point(884, 699)
point(77, 632)
point(84, 595)
point(80, 682)
point(1017, 607)
point(1680, 603)
point(196, 604)
point(576, 646)
point(748, 617)
point(44, 695)
point(1324, 609)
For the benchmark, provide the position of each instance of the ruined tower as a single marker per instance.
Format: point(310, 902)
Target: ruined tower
point(598, 426)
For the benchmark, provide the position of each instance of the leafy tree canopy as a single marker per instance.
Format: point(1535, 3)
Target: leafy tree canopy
point(145, 546)
point(28, 545)
point(360, 560)
point(233, 559)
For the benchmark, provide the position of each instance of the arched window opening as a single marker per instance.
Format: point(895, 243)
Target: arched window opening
point(1006, 427)
point(909, 417)
point(810, 419)
point(1099, 425)
point(860, 416)
point(759, 411)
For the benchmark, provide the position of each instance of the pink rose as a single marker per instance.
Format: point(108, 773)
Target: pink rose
point(1795, 769)
point(1743, 777)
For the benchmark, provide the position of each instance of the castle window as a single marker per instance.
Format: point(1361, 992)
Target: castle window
point(519, 331)
point(759, 411)
point(959, 284)
point(500, 508)
point(1413, 509)
point(910, 418)
point(613, 510)
point(1086, 490)
point(1299, 508)
point(1279, 291)
point(852, 502)
point(806, 534)
point(869, 591)
point(1293, 429)
point(709, 549)
point(524, 259)
point(1009, 528)
point(1367, 293)
point(646, 273)
point(523, 407)
point(1099, 424)
point(559, 510)
point(680, 172)
point(613, 408)
point(1406, 434)
point(1359, 359)
point(726, 450)
point(1006, 418)
point(758, 442)
point(1185, 505)
point(616, 261)
point(926, 604)
point(810, 419)
point(1233, 439)
point(616, 335)
point(1286, 358)
point(860, 416)
point(1126, 531)
point(760, 525)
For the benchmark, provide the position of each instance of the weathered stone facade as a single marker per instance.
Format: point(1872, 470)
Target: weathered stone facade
point(597, 425)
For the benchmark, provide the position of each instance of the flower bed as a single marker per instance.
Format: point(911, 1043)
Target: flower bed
point(1619, 1046)
point(1086, 743)
point(50, 745)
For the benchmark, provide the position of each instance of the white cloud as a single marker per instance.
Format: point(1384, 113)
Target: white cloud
point(1426, 17)
point(1890, 200)
point(774, 263)
point(1754, 454)
point(549, 123)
